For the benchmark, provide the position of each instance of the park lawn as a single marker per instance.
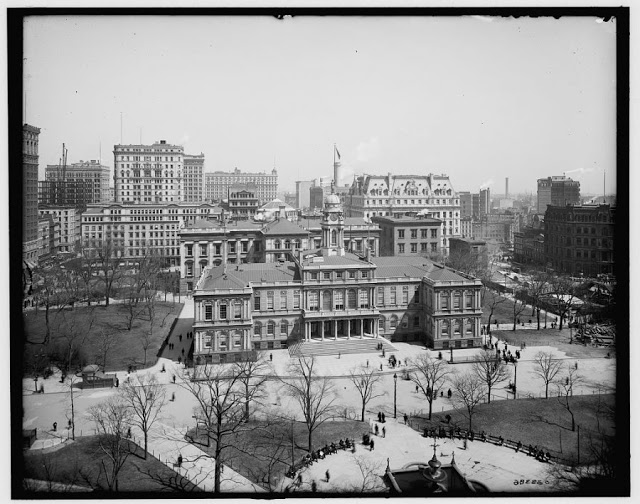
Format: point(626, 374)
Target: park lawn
point(542, 422)
point(79, 463)
point(127, 348)
point(554, 338)
point(503, 313)
point(261, 445)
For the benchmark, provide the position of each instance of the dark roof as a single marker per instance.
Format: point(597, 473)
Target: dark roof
point(394, 267)
point(239, 278)
point(283, 227)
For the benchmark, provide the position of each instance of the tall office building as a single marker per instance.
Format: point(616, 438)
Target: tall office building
point(217, 184)
point(193, 178)
point(485, 202)
point(78, 184)
point(30, 239)
point(148, 173)
point(557, 191)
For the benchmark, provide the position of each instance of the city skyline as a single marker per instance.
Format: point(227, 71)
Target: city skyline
point(530, 98)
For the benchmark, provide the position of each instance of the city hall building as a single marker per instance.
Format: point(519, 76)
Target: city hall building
point(326, 294)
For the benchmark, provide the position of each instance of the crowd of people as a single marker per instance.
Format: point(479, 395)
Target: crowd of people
point(320, 454)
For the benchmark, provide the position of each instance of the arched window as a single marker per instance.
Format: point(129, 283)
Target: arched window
point(237, 339)
point(351, 299)
point(257, 329)
point(326, 301)
point(393, 323)
point(223, 338)
point(287, 244)
point(334, 237)
point(277, 245)
point(457, 296)
point(456, 327)
point(445, 328)
point(271, 328)
point(468, 327)
point(284, 327)
point(296, 244)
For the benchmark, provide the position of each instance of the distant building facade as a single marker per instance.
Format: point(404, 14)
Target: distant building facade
point(132, 231)
point(148, 173)
point(69, 220)
point(302, 193)
point(193, 178)
point(243, 200)
point(217, 184)
point(399, 195)
point(406, 235)
point(78, 184)
point(557, 191)
point(579, 239)
point(327, 294)
point(30, 239)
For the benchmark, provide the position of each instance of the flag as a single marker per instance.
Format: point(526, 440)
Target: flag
point(337, 151)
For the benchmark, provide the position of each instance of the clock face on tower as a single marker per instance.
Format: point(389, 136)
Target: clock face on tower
point(333, 217)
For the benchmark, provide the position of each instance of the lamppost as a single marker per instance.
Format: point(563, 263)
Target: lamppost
point(395, 390)
point(515, 377)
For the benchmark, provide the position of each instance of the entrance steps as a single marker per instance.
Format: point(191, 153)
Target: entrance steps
point(316, 348)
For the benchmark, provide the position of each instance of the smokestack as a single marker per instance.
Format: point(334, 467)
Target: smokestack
point(506, 188)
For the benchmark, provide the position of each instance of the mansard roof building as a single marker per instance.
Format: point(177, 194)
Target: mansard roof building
point(327, 293)
point(402, 195)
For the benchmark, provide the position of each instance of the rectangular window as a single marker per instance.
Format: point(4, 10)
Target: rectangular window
point(423, 233)
point(393, 295)
point(232, 247)
point(416, 321)
point(405, 295)
point(365, 274)
point(352, 274)
point(400, 248)
point(414, 248)
point(283, 300)
point(270, 300)
point(296, 299)
point(456, 301)
point(236, 340)
point(245, 246)
point(364, 299)
point(237, 311)
point(313, 301)
point(400, 233)
point(203, 250)
point(208, 312)
point(414, 233)
point(380, 300)
point(189, 249)
point(339, 275)
point(434, 247)
point(444, 301)
point(339, 299)
point(314, 275)
point(189, 269)
point(434, 233)
point(468, 301)
point(326, 275)
point(223, 312)
point(256, 303)
point(271, 328)
point(284, 327)
point(423, 247)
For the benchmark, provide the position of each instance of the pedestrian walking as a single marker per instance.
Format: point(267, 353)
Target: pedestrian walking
point(383, 418)
point(576, 364)
point(314, 486)
point(338, 355)
point(55, 426)
point(371, 445)
point(449, 393)
point(380, 367)
point(183, 351)
point(69, 424)
point(129, 433)
point(327, 475)
point(379, 416)
point(174, 378)
point(465, 443)
point(376, 429)
point(180, 337)
point(173, 396)
point(270, 357)
point(367, 362)
point(384, 432)
point(180, 460)
point(405, 418)
point(416, 389)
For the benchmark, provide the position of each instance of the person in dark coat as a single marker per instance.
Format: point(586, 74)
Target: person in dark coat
point(371, 445)
point(406, 418)
point(384, 432)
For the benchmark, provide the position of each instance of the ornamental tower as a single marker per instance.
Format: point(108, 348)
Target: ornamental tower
point(333, 226)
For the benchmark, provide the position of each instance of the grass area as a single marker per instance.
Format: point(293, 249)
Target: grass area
point(94, 327)
point(555, 338)
point(542, 422)
point(263, 451)
point(79, 463)
point(503, 313)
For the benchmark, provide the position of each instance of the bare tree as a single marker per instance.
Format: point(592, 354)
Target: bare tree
point(469, 392)
point(112, 419)
point(563, 291)
point(490, 369)
point(365, 380)
point(538, 287)
point(546, 367)
point(71, 381)
point(429, 376)
point(371, 472)
point(491, 300)
point(518, 307)
point(314, 394)
point(70, 343)
point(146, 398)
point(253, 375)
point(220, 409)
point(107, 339)
point(565, 392)
point(108, 253)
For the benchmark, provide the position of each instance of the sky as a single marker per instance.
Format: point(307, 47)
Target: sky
point(477, 98)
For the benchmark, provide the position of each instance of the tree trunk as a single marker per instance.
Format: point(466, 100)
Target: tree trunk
point(546, 390)
point(363, 407)
point(146, 437)
point(310, 440)
point(430, 404)
point(538, 318)
point(246, 404)
point(489, 395)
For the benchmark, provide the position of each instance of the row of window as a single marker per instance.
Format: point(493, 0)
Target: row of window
point(424, 247)
point(414, 233)
point(338, 275)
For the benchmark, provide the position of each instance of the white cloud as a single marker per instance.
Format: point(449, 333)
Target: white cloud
point(486, 184)
point(369, 150)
